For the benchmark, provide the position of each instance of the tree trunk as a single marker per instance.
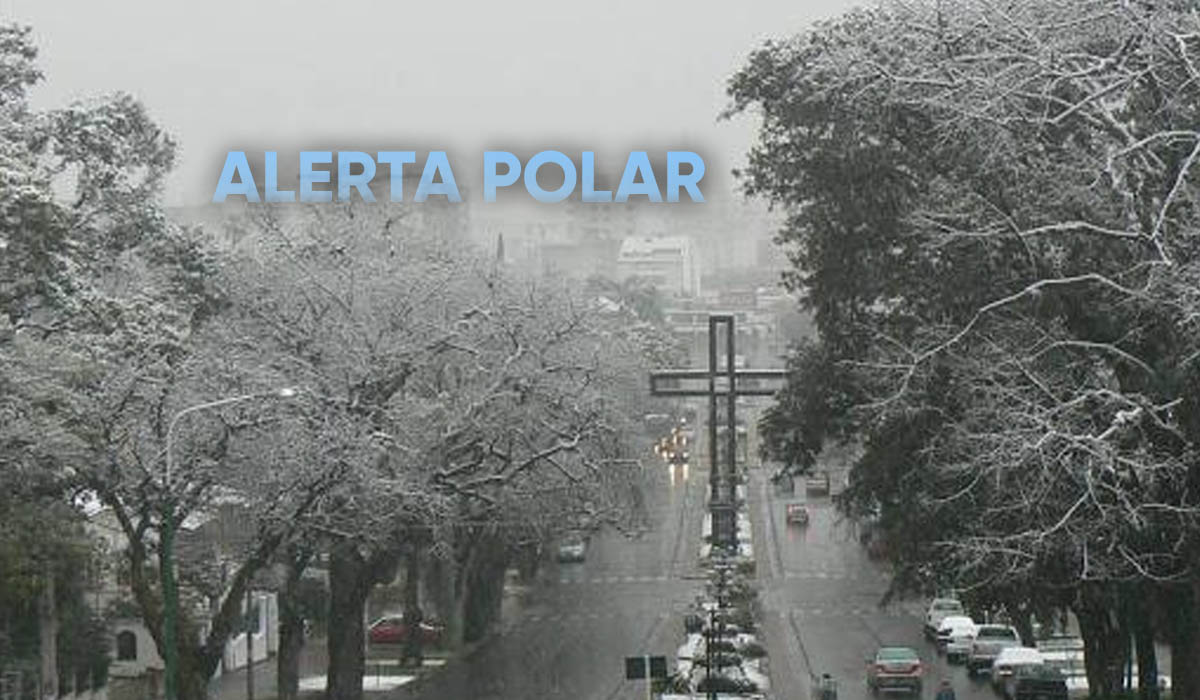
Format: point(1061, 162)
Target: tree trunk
point(194, 674)
point(1104, 645)
point(486, 591)
point(464, 565)
point(1023, 621)
point(1184, 633)
point(291, 626)
point(348, 590)
point(48, 634)
point(351, 577)
point(412, 604)
point(438, 589)
point(1141, 609)
point(529, 562)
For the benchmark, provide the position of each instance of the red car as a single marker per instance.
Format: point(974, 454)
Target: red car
point(895, 668)
point(393, 630)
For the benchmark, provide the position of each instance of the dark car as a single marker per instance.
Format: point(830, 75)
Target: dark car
point(392, 629)
point(572, 550)
point(1039, 683)
point(817, 484)
point(797, 514)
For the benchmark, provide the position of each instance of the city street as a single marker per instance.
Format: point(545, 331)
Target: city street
point(820, 595)
point(571, 636)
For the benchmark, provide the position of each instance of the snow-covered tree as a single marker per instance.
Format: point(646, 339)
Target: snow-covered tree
point(991, 213)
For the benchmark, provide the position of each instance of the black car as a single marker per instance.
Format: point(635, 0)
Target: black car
point(1039, 683)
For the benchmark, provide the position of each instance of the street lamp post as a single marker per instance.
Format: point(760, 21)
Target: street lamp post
point(167, 540)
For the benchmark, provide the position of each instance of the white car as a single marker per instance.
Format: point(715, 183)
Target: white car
point(954, 636)
point(1004, 668)
point(989, 641)
point(938, 609)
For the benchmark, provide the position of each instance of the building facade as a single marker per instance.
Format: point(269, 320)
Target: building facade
point(670, 263)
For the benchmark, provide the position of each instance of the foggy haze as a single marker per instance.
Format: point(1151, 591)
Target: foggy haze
point(537, 74)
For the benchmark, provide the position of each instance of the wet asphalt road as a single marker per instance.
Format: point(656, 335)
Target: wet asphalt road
point(569, 637)
point(821, 597)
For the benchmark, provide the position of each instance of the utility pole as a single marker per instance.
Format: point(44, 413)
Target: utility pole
point(649, 680)
point(708, 653)
point(250, 642)
point(170, 591)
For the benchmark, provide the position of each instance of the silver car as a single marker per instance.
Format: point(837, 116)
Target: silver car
point(990, 640)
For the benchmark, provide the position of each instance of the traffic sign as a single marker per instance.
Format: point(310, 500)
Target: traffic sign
point(635, 667)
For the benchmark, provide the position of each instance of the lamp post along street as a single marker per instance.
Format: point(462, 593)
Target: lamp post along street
point(167, 541)
point(249, 645)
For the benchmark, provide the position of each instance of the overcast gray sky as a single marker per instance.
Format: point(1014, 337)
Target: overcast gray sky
point(277, 75)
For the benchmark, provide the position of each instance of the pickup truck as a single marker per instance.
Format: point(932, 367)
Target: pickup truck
point(990, 640)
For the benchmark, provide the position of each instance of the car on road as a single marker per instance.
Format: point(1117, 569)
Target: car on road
point(392, 629)
point(1039, 683)
point(797, 514)
point(817, 484)
point(989, 641)
point(895, 668)
point(1064, 654)
point(1011, 660)
point(955, 635)
point(572, 549)
point(941, 608)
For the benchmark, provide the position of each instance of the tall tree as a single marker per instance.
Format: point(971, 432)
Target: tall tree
point(467, 403)
point(991, 212)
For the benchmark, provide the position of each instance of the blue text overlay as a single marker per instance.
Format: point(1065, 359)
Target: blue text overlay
point(327, 176)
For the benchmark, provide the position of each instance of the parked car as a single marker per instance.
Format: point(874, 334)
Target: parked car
point(1039, 683)
point(989, 641)
point(817, 484)
point(1077, 684)
point(1064, 654)
point(797, 514)
point(392, 629)
point(941, 608)
point(954, 636)
point(895, 668)
point(572, 550)
point(1006, 665)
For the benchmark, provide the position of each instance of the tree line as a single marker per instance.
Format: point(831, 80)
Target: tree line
point(991, 211)
point(364, 389)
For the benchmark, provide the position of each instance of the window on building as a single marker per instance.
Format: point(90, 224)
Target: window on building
point(126, 646)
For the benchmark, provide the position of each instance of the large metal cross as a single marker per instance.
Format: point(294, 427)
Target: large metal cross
point(731, 383)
